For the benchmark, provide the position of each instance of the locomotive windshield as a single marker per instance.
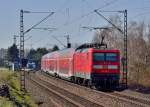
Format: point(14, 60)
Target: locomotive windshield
point(105, 57)
point(99, 57)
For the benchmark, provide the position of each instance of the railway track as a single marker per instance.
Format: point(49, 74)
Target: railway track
point(67, 98)
point(115, 99)
point(119, 98)
point(132, 98)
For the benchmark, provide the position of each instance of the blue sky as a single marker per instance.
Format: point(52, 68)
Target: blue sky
point(67, 19)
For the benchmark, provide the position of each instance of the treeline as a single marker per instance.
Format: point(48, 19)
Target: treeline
point(36, 54)
point(138, 48)
point(33, 54)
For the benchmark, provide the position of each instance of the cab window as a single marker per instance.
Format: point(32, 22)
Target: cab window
point(111, 57)
point(99, 57)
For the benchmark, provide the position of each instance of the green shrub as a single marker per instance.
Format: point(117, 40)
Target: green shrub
point(12, 79)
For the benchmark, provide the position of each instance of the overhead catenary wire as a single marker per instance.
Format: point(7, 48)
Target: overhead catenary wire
point(57, 11)
point(52, 37)
point(84, 15)
point(107, 4)
point(87, 14)
point(58, 41)
point(39, 22)
point(140, 14)
point(96, 11)
point(34, 12)
point(28, 38)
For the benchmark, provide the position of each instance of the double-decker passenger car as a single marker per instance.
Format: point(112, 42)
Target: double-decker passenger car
point(88, 65)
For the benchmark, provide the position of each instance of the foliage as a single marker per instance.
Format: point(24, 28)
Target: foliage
point(37, 54)
point(31, 54)
point(5, 102)
point(12, 79)
point(13, 53)
point(55, 48)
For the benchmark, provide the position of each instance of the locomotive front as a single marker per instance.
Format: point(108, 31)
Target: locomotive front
point(105, 68)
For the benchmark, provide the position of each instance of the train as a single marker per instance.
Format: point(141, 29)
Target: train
point(89, 65)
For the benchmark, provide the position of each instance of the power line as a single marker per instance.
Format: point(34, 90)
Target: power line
point(34, 12)
point(46, 28)
point(107, 4)
point(28, 38)
point(58, 41)
point(54, 37)
point(111, 11)
point(108, 21)
point(96, 28)
point(140, 14)
point(87, 14)
point(140, 8)
point(39, 22)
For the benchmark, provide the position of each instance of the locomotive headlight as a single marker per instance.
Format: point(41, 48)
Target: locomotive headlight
point(112, 67)
point(98, 67)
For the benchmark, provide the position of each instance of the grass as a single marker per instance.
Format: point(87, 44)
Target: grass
point(12, 79)
point(5, 102)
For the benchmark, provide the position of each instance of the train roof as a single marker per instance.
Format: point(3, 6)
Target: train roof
point(92, 45)
point(68, 52)
point(65, 52)
point(50, 54)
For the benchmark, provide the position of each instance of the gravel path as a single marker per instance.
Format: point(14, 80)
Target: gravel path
point(136, 94)
point(39, 96)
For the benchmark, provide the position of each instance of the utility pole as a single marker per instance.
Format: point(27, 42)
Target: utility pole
point(125, 60)
point(22, 50)
point(22, 33)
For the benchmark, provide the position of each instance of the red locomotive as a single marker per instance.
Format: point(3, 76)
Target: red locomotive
point(89, 64)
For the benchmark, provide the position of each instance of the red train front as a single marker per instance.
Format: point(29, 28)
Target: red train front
point(98, 67)
point(106, 68)
point(88, 65)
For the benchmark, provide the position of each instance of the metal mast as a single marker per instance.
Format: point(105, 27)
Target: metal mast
point(22, 33)
point(22, 74)
point(125, 60)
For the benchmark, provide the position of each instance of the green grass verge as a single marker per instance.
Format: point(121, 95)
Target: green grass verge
point(5, 102)
point(12, 79)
